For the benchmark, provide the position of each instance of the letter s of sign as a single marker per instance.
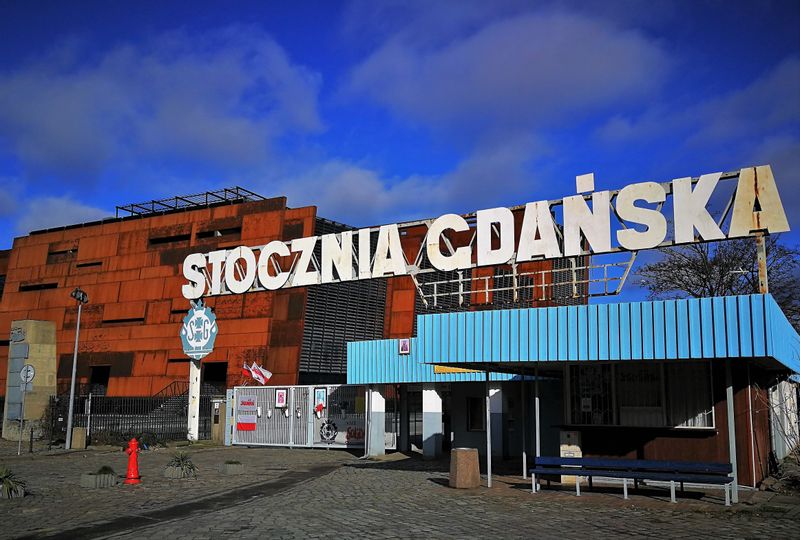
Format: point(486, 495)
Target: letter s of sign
point(192, 265)
point(656, 223)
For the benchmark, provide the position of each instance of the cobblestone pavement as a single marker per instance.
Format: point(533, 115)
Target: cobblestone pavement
point(316, 494)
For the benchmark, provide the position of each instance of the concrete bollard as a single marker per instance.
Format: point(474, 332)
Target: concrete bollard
point(464, 468)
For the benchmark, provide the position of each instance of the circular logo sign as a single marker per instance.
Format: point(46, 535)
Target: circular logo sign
point(199, 331)
point(27, 373)
point(328, 431)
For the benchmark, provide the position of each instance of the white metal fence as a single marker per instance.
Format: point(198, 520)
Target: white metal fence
point(290, 416)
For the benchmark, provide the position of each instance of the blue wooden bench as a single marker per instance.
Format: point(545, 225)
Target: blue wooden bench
point(635, 469)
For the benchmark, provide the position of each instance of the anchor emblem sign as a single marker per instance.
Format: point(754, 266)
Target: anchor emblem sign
point(199, 331)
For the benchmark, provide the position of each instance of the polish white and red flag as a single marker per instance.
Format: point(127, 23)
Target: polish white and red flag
point(267, 374)
point(254, 372)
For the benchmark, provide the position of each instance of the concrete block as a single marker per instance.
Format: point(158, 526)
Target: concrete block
point(464, 468)
point(78, 438)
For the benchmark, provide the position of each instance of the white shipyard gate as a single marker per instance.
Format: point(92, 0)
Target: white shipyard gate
point(317, 416)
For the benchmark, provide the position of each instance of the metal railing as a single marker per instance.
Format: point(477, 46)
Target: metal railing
point(113, 420)
point(575, 281)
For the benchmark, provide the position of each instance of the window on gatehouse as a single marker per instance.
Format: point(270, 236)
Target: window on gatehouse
point(640, 394)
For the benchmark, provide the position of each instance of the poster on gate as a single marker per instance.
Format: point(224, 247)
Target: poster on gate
point(344, 431)
point(246, 413)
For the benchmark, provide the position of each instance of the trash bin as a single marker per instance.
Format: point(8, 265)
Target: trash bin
point(464, 470)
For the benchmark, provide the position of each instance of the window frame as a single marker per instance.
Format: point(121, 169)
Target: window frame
point(665, 397)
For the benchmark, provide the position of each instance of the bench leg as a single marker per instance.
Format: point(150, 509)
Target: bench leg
point(672, 491)
point(681, 487)
point(533, 483)
point(590, 482)
point(727, 494)
point(635, 483)
point(578, 486)
point(625, 488)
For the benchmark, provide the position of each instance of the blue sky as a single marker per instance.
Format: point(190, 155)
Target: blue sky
point(383, 111)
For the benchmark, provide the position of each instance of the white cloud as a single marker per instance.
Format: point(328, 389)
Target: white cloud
point(360, 195)
point(760, 107)
point(46, 212)
point(219, 98)
point(9, 196)
point(523, 72)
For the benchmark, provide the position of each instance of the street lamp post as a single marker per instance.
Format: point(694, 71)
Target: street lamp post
point(81, 297)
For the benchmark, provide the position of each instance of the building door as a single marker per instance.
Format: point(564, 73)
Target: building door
point(215, 374)
point(98, 380)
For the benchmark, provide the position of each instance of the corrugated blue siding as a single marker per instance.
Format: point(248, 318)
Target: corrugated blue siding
point(379, 362)
point(738, 327)
point(687, 328)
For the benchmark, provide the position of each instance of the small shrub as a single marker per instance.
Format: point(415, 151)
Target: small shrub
point(105, 469)
point(182, 462)
point(10, 485)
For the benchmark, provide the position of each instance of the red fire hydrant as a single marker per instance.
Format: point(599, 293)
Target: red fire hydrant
point(133, 462)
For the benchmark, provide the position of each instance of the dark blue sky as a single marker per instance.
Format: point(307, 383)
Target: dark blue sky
point(380, 111)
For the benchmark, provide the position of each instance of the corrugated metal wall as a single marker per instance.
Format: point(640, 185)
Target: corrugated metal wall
point(376, 362)
point(737, 326)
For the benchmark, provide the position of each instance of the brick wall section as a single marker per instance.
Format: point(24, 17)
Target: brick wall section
point(131, 270)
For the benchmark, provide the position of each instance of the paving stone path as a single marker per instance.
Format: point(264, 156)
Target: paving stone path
point(319, 494)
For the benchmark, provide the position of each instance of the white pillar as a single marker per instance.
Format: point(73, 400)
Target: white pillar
point(731, 430)
point(496, 397)
point(432, 428)
point(194, 400)
point(377, 421)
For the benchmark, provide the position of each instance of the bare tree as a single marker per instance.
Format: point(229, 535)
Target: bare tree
point(726, 268)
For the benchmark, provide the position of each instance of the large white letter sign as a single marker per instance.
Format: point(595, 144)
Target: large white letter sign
point(690, 209)
point(461, 258)
point(215, 259)
point(595, 224)
point(586, 227)
point(337, 255)
point(654, 220)
point(302, 275)
point(364, 254)
point(191, 271)
point(238, 286)
point(268, 281)
point(504, 219)
point(537, 220)
point(389, 258)
point(757, 184)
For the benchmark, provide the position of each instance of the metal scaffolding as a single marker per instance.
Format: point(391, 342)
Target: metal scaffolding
point(230, 195)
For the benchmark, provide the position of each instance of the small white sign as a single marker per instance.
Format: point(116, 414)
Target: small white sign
point(27, 373)
point(404, 346)
point(586, 404)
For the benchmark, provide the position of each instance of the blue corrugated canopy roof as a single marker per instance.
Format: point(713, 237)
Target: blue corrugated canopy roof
point(750, 326)
point(699, 328)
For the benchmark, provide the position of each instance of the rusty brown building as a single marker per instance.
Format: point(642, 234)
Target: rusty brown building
point(130, 266)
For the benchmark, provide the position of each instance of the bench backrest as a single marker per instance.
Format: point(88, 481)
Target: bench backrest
point(636, 465)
